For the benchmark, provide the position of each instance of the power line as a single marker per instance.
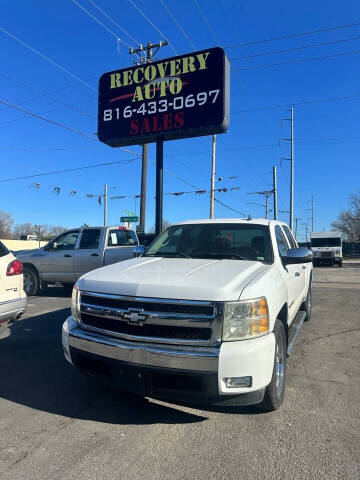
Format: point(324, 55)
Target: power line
point(113, 22)
point(293, 35)
point(56, 91)
point(294, 104)
point(44, 111)
point(299, 60)
point(173, 18)
point(47, 120)
point(227, 206)
point(151, 23)
point(66, 170)
point(58, 124)
point(118, 39)
point(54, 99)
point(47, 59)
point(274, 52)
point(230, 17)
point(214, 34)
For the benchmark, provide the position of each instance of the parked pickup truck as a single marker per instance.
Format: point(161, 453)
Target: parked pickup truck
point(207, 314)
point(73, 253)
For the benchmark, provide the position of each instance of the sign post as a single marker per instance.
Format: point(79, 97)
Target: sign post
point(159, 186)
point(179, 97)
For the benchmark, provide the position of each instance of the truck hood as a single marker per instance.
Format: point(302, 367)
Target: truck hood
point(175, 278)
point(35, 252)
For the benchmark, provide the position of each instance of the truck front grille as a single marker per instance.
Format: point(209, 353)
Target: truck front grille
point(169, 321)
point(327, 254)
point(154, 331)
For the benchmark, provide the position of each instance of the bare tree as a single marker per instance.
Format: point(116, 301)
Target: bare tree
point(165, 225)
point(23, 229)
point(6, 223)
point(348, 222)
point(51, 231)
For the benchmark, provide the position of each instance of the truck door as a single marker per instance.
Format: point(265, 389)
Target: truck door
point(88, 255)
point(57, 261)
point(295, 275)
point(120, 245)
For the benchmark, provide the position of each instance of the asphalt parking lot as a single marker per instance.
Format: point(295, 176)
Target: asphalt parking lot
point(57, 424)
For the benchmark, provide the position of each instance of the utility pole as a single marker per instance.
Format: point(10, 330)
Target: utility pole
point(146, 54)
point(105, 204)
point(212, 184)
point(312, 213)
point(38, 232)
point(275, 192)
point(291, 159)
point(266, 194)
point(292, 172)
point(296, 226)
point(306, 230)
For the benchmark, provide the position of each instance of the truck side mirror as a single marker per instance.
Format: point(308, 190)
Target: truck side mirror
point(139, 250)
point(298, 255)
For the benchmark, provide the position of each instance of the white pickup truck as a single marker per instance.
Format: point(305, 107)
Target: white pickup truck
point(207, 314)
point(73, 253)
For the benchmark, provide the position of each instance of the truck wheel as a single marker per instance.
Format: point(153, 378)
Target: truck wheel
point(340, 264)
point(31, 282)
point(306, 305)
point(275, 391)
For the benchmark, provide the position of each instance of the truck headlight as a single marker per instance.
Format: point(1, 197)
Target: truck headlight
point(75, 303)
point(337, 253)
point(245, 319)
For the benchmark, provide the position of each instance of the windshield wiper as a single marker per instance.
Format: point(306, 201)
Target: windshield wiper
point(221, 256)
point(168, 254)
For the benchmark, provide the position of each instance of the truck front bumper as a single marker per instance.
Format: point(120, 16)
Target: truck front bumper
point(191, 374)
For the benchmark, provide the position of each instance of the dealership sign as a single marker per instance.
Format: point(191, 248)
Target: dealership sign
point(179, 97)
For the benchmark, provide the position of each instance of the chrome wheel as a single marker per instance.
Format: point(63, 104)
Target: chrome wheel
point(279, 367)
point(28, 282)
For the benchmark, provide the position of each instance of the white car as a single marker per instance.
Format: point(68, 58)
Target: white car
point(12, 296)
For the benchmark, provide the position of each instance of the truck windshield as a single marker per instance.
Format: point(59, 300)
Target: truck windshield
point(235, 241)
point(326, 242)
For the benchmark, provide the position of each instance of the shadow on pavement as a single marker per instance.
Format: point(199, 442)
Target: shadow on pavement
point(35, 373)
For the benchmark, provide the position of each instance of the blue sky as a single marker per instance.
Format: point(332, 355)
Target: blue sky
point(326, 134)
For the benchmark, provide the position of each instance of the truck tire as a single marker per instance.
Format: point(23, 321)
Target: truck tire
point(31, 282)
point(306, 306)
point(275, 391)
point(340, 264)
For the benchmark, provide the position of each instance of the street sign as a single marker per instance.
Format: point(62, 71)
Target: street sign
point(130, 213)
point(178, 97)
point(129, 219)
point(140, 229)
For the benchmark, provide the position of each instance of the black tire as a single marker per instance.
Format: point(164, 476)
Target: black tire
point(275, 391)
point(340, 264)
point(306, 306)
point(31, 282)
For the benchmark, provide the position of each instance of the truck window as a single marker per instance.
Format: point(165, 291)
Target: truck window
point(281, 242)
point(90, 239)
point(289, 236)
point(66, 241)
point(3, 250)
point(121, 238)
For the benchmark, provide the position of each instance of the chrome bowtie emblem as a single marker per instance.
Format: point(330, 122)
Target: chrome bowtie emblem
point(135, 316)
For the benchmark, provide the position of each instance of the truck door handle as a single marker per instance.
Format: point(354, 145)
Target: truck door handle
point(94, 254)
point(303, 267)
point(67, 255)
point(297, 274)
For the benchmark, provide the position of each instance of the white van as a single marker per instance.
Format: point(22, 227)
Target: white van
point(327, 248)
